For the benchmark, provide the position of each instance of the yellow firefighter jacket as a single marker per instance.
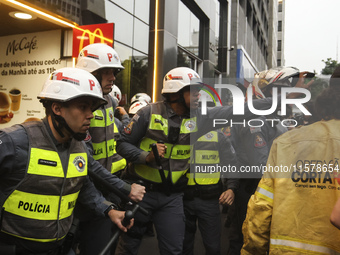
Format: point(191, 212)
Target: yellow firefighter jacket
point(290, 211)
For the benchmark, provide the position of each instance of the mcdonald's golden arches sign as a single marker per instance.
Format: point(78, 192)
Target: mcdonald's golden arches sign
point(97, 33)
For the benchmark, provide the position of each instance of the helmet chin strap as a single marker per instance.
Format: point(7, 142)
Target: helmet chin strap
point(62, 123)
point(180, 100)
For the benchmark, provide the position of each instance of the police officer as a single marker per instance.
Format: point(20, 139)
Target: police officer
point(44, 166)
point(290, 210)
point(204, 193)
point(169, 124)
point(104, 63)
point(252, 144)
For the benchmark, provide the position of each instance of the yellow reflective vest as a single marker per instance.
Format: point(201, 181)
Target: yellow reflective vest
point(45, 214)
point(290, 211)
point(176, 158)
point(104, 134)
point(205, 153)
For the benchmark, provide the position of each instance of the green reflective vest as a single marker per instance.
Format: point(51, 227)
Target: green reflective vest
point(104, 134)
point(176, 158)
point(41, 206)
point(205, 154)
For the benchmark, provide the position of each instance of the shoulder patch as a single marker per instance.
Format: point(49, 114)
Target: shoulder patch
point(226, 131)
point(259, 141)
point(128, 128)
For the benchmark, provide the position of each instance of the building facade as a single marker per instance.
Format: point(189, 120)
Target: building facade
point(220, 39)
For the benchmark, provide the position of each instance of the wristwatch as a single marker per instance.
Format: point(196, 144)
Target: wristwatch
point(111, 207)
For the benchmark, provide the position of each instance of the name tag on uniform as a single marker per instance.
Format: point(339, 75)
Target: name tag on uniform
point(98, 117)
point(47, 162)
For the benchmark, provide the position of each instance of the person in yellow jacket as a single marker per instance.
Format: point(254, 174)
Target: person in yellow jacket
point(290, 210)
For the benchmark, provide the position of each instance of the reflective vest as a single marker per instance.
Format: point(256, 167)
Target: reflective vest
point(104, 134)
point(205, 154)
point(40, 207)
point(176, 158)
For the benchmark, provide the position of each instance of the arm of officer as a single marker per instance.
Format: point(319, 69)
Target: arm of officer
point(94, 200)
point(132, 135)
point(7, 153)
point(124, 116)
point(228, 159)
point(135, 192)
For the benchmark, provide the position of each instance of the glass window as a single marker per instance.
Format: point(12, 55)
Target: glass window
point(139, 74)
point(217, 30)
point(142, 10)
point(123, 23)
point(125, 4)
point(279, 26)
point(280, 6)
point(141, 36)
point(188, 29)
point(123, 77)
point(187, 59)
point(279, 45)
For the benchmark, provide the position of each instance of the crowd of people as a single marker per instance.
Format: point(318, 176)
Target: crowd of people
point(55, 172)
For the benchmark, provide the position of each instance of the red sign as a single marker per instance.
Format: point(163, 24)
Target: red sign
point(97, 33)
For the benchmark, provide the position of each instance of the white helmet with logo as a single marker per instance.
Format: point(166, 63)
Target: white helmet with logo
point(98, 55)
point(178, 78)
point(69, 83)
point(134, 108)
point(278, 76)
point(141, 97)
point(116, 93)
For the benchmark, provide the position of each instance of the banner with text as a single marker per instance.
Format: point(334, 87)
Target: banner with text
point(26, 60)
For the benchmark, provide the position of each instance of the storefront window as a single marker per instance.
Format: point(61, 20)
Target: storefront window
point(139, 73)
point(188, 29)
point(123, 78)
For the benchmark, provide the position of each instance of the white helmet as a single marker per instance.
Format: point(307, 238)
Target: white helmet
point(141, 97)
point(98, 55)
point(134, 108)
point(278, 76)
point(178, 78)
point(116, 93)
point(69, 83)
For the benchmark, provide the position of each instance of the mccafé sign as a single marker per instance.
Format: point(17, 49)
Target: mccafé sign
point(97, 33)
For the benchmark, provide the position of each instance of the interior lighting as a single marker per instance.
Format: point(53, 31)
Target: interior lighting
point(21, 15)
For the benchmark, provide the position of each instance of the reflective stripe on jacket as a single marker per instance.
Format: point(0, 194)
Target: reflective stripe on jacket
point(118, 162)
point(103, 132)
point(290, 211)
point(45, 214)
point(205, 154)
point(176, 158)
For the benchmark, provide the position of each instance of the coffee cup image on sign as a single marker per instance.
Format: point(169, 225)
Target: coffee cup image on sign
point(5, 104)
point(15, 96)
